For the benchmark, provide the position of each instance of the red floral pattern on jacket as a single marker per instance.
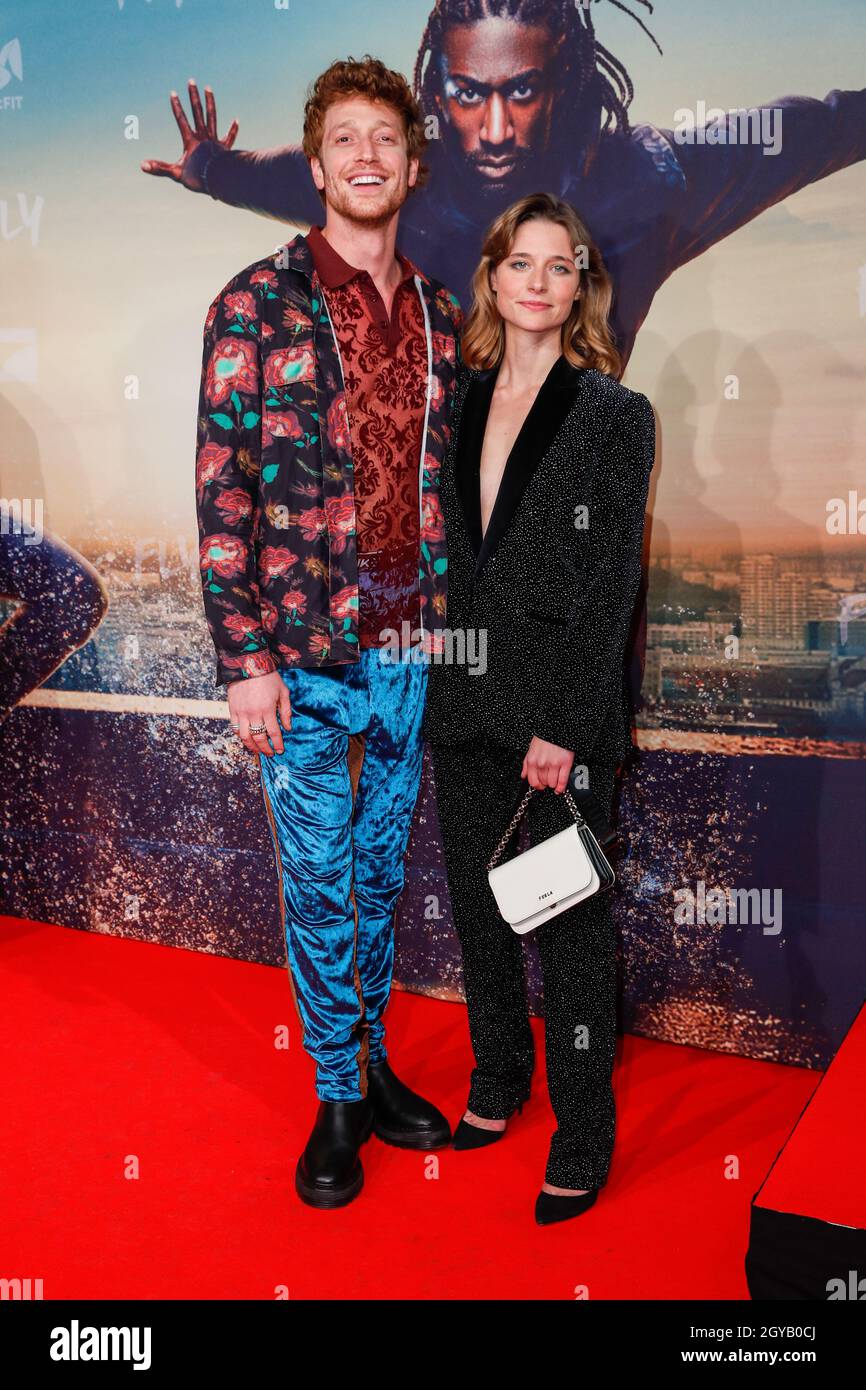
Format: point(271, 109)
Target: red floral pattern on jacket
point(274, 481)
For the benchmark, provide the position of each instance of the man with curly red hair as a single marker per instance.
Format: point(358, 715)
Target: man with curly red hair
point(327, 378)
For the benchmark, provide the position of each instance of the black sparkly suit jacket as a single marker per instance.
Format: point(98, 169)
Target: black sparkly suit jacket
point(543, 603)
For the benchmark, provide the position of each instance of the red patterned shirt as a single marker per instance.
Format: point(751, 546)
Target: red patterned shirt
point(385, 370)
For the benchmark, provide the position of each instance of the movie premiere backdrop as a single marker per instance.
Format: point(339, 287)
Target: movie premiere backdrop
point(716, 153)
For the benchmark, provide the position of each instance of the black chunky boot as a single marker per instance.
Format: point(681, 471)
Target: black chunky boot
point(329, 1172)
point(400, 1116)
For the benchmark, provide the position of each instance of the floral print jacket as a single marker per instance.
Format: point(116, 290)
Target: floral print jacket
point(274, 482)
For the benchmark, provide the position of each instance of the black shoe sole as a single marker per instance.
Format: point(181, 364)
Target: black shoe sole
point(328, 1199)
point(404, 1140)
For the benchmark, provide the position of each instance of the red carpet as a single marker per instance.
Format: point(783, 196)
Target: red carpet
point(827, 1143)
point(115, 1048)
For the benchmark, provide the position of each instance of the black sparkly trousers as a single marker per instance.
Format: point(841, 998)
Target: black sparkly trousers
point(478, 786)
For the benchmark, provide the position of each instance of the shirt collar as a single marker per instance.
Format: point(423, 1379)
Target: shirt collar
point(333, 270)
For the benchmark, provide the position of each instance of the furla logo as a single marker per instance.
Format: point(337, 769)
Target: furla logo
point(548, 894)
point(75, 1343)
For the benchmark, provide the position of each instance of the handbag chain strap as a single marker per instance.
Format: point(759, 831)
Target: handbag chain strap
point(515, 820)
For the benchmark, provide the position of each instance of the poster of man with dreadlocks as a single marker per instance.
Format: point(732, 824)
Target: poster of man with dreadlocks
point(521, 96)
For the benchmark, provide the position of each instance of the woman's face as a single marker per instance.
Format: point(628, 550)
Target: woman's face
point(538, 282)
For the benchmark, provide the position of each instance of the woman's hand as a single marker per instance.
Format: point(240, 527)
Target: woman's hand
point(547, 765)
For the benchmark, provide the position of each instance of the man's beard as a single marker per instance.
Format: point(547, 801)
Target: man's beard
point(522, 179)
point(473, 185)
point(363, 210)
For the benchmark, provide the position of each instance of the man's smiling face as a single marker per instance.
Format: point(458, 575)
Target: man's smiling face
point(363, 166)
point(497, 100)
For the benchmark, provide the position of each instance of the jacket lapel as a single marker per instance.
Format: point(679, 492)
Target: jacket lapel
point(470, 436)
point(545, 418)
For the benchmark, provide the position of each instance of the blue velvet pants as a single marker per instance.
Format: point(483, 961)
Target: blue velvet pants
point(340, 842)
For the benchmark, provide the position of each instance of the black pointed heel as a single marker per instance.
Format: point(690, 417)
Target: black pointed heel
point(467, 1136)
point(550, 1208)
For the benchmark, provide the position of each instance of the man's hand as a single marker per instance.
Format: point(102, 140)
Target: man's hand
point(546, 765)
point(258, 700)
point(205, 129)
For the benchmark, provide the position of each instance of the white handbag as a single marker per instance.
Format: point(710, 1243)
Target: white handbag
point(550, 877)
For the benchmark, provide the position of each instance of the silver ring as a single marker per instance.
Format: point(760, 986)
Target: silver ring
point(258, 729)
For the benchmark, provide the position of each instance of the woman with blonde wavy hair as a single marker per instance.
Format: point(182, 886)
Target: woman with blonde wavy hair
point(543, 490)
